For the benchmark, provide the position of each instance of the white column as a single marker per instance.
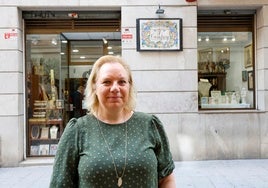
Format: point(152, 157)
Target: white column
point(11, 88)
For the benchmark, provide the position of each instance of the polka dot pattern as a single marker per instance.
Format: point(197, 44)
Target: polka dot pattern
point(83, 160)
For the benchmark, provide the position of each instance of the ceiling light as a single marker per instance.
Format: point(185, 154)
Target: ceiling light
point(104, 41)
point(227, 12)
point(54, 41)
point(160, 10)
point(207, 39)
point(75, 50)
point(110, 53)
point(225, 39)
point(82, 57)
point(199, 39)
point(233, 39)
point(109, 47)
point(34, 41)
point(73, 15)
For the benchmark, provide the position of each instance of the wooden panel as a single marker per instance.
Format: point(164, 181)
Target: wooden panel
point(227, 23)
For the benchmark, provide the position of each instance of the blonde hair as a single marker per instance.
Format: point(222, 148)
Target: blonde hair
point(91, 99)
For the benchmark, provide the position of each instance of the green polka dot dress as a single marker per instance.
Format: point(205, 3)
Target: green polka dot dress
point(83, 160)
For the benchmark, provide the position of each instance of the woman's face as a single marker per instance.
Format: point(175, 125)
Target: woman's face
point(112, 86)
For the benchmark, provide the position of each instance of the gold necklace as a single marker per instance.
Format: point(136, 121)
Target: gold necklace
point(119, 178)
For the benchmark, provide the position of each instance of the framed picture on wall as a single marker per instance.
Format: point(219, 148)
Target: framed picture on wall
point(244, 75)
point(248, 60)
point(159, 34)
point(250, 80)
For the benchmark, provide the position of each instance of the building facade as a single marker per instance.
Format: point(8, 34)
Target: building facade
point(166, 80)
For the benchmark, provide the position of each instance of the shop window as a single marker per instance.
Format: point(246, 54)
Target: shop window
point(46, 71)
point(226, 62)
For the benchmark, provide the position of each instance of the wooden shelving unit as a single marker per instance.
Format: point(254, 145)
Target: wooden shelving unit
point(41, 142)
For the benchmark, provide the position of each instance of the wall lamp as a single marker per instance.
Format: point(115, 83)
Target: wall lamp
point(160, 10)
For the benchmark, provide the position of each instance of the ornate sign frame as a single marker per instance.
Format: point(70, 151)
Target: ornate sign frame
point(159, 34)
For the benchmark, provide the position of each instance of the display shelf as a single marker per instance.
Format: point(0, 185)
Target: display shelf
point(225, 105)
point(44, 135)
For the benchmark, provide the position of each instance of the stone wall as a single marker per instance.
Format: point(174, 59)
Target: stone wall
point(11, 87)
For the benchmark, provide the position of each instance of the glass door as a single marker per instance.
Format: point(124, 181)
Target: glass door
point(83, 54)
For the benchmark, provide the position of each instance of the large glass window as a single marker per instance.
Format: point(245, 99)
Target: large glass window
point(46, 71)
point(226, 63)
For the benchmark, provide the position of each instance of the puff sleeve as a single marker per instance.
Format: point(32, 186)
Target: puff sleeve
point(162, 150)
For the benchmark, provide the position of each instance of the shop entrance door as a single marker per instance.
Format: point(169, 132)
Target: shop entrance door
point(84, 49)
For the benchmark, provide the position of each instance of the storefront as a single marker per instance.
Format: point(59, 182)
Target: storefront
point(208, 87)
point(60, 50)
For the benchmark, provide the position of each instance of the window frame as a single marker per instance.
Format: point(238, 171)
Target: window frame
point(237, 21)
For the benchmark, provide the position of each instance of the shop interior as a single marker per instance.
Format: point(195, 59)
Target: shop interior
point(226, 59)
point(225, 68)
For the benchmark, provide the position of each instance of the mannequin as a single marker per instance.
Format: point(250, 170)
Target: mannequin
point(204, 88)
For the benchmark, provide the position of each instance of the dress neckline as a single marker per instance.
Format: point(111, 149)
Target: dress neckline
point(115, 124)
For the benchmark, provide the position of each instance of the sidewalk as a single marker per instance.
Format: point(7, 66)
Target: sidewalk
point(222, 174)
point(192, 174)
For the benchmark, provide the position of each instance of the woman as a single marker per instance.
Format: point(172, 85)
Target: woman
point(113, 146)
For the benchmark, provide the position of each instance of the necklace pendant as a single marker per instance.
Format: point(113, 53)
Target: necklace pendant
point(119, 181)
